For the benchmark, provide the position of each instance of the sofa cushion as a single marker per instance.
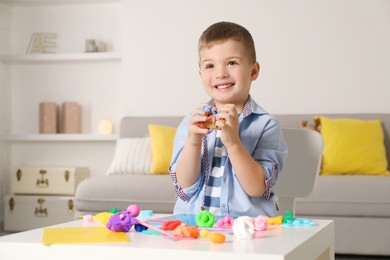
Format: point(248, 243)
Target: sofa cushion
point(102, 193)
point(353, 146)
point(347, 195)
point(132, 156)
point(162, 138)
point(294, 121)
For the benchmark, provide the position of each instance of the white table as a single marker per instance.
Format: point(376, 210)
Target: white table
point(300, 242)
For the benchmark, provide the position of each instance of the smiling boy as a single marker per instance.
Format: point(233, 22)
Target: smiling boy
point(232, 170)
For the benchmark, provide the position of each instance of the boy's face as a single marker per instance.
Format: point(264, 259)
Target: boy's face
point(227, 73)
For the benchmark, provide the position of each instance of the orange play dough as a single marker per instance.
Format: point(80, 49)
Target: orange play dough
point(217, 237)
point(184, 230)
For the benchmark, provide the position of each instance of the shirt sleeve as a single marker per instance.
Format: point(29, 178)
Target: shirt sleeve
point(270, 180)
point(271, 152)
point(184, 194)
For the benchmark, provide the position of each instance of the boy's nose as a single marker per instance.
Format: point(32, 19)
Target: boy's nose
point(222, 72)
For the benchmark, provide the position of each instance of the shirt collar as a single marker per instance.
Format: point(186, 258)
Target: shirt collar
point(250, 107)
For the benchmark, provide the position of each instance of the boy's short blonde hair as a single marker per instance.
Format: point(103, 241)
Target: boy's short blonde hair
point(223, 31)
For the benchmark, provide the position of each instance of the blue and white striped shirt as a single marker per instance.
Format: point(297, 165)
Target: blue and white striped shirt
point(213, 190)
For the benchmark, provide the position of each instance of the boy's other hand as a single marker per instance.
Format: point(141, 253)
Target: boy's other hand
point(227, 121)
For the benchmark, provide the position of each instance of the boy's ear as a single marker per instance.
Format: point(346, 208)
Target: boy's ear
point(255, 70)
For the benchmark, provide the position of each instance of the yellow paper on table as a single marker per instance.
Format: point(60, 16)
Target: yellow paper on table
point(80, 235)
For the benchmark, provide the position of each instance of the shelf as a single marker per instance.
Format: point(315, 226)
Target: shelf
point(58, 138)
point(55, 2)
point(60, 57)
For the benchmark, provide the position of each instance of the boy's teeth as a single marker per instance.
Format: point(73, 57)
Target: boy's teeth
point(223, 86)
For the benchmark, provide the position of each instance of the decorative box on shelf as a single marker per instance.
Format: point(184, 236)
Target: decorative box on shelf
point(41, 196)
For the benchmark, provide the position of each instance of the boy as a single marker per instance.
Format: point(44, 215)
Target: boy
point(230, 170)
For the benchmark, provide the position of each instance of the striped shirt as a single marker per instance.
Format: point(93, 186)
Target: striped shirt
point(213, 191)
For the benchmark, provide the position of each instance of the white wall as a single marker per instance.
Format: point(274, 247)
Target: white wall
point(5, 104)
point(316, 56)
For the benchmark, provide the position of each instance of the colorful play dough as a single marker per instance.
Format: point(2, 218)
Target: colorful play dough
point(134, 210)
point(205, 219)
point(210, 123)
point(184, 230)
point(124, 220)
point(225, 221)
point(88, 218)
point(170, 224)
point(114, 210)
point(121, 221)
point(278, 220)
point(261, 223)
point(217, 237)
point(204, 233)
point(243, 228)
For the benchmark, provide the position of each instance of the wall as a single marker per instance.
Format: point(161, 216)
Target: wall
point(316, 56)
point(5, 103)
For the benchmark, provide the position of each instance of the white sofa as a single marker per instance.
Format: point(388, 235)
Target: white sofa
point(150, 191)
point(360, 205)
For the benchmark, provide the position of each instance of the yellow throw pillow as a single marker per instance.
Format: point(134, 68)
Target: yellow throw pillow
point(162, 147)
point(353, 146)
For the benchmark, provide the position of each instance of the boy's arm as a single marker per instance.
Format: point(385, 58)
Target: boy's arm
point(249, 172)
point(189, 164)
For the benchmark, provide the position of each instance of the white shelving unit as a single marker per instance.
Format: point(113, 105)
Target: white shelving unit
point(58, 138)
point(61, 57)
point(55, 2)
point(70, 73)
point(93, 79)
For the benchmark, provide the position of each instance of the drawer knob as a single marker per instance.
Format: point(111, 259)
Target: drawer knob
point(42, 182)
point(66, 175)
point(70, 206)
point(41, 211)
point(11, 204)
point(19, 174)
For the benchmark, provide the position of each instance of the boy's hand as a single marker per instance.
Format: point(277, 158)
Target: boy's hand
point(210, 122)
point(195, 133)
point(227, 121)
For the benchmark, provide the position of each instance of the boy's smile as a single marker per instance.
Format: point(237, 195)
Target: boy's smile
point(224, 85)
point(227, 73)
